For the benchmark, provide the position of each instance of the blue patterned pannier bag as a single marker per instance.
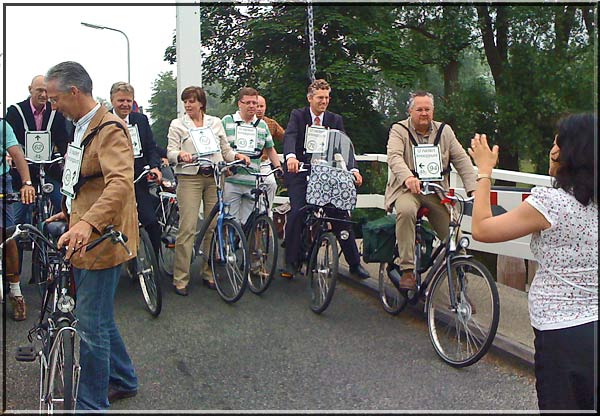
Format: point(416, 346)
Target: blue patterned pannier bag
point(330, 185)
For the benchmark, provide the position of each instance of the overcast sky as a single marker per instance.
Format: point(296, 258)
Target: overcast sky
point(40, 36)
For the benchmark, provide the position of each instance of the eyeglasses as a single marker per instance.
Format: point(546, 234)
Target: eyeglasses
point(54, 100)
point(249, 102)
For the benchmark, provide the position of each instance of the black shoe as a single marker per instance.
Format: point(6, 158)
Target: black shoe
point(359, 271)
point(181, 292)
point(210, 284)
point(115, 394)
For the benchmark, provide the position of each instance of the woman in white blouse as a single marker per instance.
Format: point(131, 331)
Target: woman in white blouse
point(194, 184)
point(563, 298)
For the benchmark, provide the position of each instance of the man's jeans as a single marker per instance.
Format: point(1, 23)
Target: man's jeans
point(103, 357)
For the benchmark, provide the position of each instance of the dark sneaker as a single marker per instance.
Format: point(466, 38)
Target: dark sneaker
point(359, 271)
point(115, 394)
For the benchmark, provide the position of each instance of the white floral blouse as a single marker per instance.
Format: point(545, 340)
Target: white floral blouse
point(564, 292)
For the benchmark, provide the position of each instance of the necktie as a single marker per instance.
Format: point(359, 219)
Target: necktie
point(317, 121)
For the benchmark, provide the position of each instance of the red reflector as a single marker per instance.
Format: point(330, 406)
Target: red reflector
point(494, 198)
point(524, 196)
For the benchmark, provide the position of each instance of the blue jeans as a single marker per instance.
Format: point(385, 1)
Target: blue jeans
point(6, 210)
point(103, 357)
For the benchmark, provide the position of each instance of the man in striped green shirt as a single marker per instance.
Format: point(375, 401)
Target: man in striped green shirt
point(248, 135)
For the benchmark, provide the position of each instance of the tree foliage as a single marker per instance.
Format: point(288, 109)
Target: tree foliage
point(163, 106)
point(509, 70)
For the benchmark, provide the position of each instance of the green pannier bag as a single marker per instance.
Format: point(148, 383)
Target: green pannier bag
point(379, 239)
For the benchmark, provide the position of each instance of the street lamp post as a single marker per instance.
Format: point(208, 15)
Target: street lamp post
point(126, 38)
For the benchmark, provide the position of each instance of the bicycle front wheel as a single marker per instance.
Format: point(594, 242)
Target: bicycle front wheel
point(463, 333)
point(170, 229)
point(61, 375)
point(262, 245)
point(148, 274)
point(392, 300)
point(39, 268)
point(322, 272)
point(229, 261)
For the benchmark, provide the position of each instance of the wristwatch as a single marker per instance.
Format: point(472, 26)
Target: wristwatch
point(28, 183)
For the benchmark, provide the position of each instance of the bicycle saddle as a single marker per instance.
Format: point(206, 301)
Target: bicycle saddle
point(55, 229)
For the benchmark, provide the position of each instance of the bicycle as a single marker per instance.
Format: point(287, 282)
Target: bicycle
point(228, 257)
point(167, 213)
point(331, 190)
point(261, 236)
point(42, 210)
point(461, 297)
point(145, 266)
point(56, 328)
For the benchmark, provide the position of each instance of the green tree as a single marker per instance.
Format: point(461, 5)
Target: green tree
point(163, 106)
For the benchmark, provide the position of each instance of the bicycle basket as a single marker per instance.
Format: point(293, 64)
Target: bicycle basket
point(379, 239)
point(331, 185)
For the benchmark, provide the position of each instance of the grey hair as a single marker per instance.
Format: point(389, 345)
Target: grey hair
point(411, 98)
point(69, 74)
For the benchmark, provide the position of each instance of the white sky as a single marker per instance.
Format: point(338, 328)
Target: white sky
point(38, 37)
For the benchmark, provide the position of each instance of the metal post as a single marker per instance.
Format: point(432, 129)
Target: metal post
point(126, 38)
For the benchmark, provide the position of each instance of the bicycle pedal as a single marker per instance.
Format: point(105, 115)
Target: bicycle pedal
point(26, 354)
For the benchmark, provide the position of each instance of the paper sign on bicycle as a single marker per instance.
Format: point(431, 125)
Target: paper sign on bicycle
point(245, 139)
point(428, 162)
point(135, 141)
point(315, 140)
point(38, 145)
point(204, 140)
point(71, 170)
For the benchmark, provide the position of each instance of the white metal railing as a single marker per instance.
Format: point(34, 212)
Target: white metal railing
point(508, 199)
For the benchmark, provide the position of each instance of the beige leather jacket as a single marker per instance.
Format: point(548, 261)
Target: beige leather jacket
point(401, 163)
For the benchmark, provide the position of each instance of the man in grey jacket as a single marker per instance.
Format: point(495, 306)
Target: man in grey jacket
point(404, 184)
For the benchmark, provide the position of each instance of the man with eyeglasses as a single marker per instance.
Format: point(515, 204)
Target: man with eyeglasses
point(249, 135)
point(409, 144)
point(316, 114)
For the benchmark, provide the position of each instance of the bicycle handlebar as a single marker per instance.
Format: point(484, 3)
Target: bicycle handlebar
point(443, 191)
point(221, 166)
point(44, 162)
point(146, 171)
point(10, 197)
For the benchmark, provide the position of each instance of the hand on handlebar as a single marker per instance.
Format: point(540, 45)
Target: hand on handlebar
point(185, 157)
point(155, 175)
point(358, 179)
point(76, 238)
point(245, 158)
point(292, 165)
point(413, 184)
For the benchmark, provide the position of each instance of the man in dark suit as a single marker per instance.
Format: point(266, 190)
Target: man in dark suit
point(35, 114)
point(296, 182)
point(145, 153)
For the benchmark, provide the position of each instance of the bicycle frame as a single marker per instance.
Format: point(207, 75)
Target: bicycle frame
point(444, 253)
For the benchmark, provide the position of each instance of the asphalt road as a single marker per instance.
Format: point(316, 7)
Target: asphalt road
point(272, 353)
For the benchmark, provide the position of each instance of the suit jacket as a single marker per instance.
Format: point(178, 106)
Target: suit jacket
point(401, 163)
point(60, 138)
point(107, 199)
point(293, 140)
point(148, 143)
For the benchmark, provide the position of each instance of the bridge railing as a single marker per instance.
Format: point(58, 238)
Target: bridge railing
point(503, 197)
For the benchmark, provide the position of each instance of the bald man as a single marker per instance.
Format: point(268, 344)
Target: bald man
point(35, 114)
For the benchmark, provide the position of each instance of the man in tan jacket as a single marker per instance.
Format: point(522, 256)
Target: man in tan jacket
point(104, 196)
point(404, 186)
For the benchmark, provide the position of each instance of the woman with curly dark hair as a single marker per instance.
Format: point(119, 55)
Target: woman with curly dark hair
point(563, 298)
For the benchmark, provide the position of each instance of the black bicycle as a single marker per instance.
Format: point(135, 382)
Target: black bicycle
point(56, 329)
point(145, 266)
point(167, 213)
point(261, 236)
point(460, 294)
point(42, 210)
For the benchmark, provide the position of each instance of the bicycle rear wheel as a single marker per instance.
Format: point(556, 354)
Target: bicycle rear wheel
point(148, 274)
point(462, 335)
point(392, 300)
point(262, 245)
point(230, 269)
point(322, 272)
